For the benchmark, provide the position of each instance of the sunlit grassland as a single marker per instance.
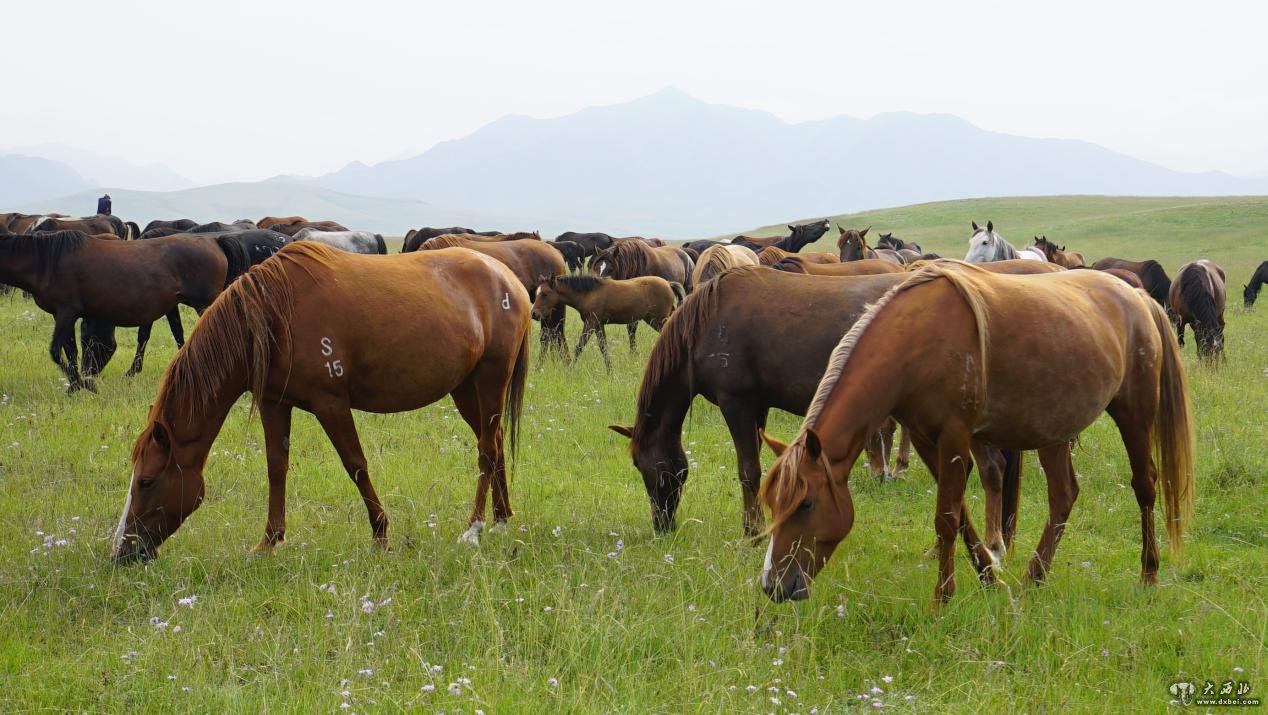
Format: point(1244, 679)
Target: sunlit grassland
point(579, 607)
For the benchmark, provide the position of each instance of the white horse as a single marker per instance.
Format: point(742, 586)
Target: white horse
point(350, 241)
point(985, 245)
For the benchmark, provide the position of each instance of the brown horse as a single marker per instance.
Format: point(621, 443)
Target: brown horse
point(718, 259)
point(1150, 272)
point(271, 221)
point(306, 330)
point(852, 244)
point(606, 301)
point(1126, 276)
point(864, 267)
point(290, 229)
point(631, 259)
point(122, 283)
point(532, 262)
point(1059, 255)
point(101, 223)
point(950, 353)
point(771, 255)
point(1250, 291)
point(1197, 298)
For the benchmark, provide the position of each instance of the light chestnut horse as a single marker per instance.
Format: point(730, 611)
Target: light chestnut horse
point(864, 267)
point(306, 329)
point(717, 259)
point(948, 353)
point(1197, 298)
point(607, 301)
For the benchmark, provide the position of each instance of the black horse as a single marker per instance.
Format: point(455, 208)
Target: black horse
point(798, 238)
point(415, 237)
point(180, 224)
point(887, 240)
point(1251, 289)
point(574, 255)
point(591, 243)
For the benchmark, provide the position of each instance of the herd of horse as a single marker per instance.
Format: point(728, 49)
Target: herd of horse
point(858, 342)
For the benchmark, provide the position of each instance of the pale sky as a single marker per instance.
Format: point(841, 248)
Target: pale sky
point(232, 90)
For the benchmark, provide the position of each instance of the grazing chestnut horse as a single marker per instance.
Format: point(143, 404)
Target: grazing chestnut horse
point(631, 259)
point(1250, 291)
point(1197, 299)
point(606, 301)
point(798, 237)
point(718, 259)
point(306, 330)
point(124, 283)
point(864, 267)
point(1150, 272)
point(950, 353)
point(770, 255)
point(1059, 256)
point(532, 262)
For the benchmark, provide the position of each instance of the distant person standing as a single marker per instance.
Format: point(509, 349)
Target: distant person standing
point(103, 205)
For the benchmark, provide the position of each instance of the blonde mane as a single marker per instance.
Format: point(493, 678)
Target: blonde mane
point(785, 490)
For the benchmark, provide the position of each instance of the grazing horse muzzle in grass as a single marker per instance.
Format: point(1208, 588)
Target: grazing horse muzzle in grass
point(291, 332)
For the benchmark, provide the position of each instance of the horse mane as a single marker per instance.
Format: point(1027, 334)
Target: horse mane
point(785, 490)
point(49, 246)
point(1193, 289)
point(582, 284)
point(771, 255)
point(629, 257)
point(716, 259)
point(445, 240)
point(1156, 281)
point(238, 328)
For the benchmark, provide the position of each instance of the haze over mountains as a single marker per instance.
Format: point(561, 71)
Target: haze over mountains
point(671, 165)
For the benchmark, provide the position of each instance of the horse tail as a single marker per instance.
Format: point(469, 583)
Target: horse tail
point(134, 231)
point(680, 293)
point(1156, 281)
point(515, 392)
point(1173, 434)
point(1011, 494)
point(380, 244)
point(236, 255)
point(408, 235)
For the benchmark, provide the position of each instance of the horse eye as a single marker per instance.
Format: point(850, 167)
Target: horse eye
point(806, 504)
point(145, 483)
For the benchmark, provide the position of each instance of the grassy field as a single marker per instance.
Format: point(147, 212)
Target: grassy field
point(579, 607)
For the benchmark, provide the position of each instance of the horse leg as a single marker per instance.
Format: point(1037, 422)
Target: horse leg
point(276, 419)
point(98, 343)
point(904, 452)
point(990, 467)
point(484, 417)
point(64, 343)
point(741, 415)
point(601, 336)
point(981, 557)
point(1063, 489)
point(142, 339)
point(586, 330)
point(953, 459)
point(875, 448)
point(1137, 439)
point(632, 328)
point(1179, 329)
point(336, 420)
point(174, 323)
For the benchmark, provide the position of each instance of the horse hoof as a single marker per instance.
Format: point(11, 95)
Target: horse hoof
point(471, 537)
point(499, 527)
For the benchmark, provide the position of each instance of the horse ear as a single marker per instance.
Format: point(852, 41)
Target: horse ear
point(975, 226)
point(864, 231)
point(841, 229)
point(627, 432)
point(775, 445)
point(792, 228)
point(814, 448)
point(990, 226)
point(159, 434)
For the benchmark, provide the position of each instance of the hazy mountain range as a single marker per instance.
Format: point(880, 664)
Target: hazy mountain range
point(671, 165)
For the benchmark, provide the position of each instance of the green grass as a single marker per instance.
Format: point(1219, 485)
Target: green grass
point(661, 625)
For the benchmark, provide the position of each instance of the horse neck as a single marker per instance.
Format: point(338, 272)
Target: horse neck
point(193, 430)
point(20, 266)
point(663, 409)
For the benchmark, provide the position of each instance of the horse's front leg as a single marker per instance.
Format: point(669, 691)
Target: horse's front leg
point(953, 465)
point(632, 328)
point(336, 420)
point(276, 419)
point(601, 336)
point(142, 339)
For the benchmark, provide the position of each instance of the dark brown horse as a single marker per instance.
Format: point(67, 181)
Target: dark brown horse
point(852, 244)
point(887, 240)
point(1058, 254)
point(123, 283)
point(631, 259)
point(949, 354)
point(589, 242)
point(415, 237)
point(306, 330)
point(864, 267)
point(605, 301)
point(532, 262)
point(1250, 291)
point(1151, 274)
point(271, 221)
point(1197, 299)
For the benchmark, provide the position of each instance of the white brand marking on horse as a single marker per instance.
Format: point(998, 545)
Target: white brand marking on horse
point(766, 565)
point(334, 368)
point(326, 348)
point(506, 301)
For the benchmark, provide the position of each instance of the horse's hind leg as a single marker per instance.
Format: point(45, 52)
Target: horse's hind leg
point(742, 419)
point(904, 452)
point(632, 328)
point(480, 402)
point(990, 468)
point(142, 339)
point(336, 420)
point(601, 336)
point(63, 343)
point(876, 461)
point(586, 330)
point(1063, 489)
point(1138, 441)
point(276, 419)
point(174, 322)
point(97, 341)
